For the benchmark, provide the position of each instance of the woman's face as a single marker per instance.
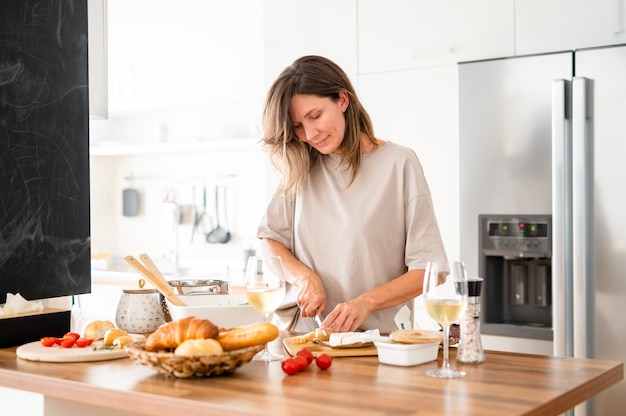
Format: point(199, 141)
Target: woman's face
point(319, 121)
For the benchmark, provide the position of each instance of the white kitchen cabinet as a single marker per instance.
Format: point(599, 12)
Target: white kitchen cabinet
point(557, 25)
point(418, 109)
point(406, 34)
point(296, 28)
point(98, 78)
point(181, 54)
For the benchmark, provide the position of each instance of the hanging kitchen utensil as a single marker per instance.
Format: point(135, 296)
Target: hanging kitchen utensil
point(218, 235)
point(198, 216)
point(130, 200)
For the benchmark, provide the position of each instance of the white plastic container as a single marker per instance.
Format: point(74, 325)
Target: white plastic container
point(225, 311)
point(407, 354)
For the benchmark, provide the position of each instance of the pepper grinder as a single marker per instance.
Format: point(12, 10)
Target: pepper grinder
point(470, 346)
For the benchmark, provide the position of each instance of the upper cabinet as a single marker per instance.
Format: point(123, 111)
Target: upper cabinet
point(556, 25)
point(98, 82)
point(296, 28)
point(407, 34)
point(184, 53)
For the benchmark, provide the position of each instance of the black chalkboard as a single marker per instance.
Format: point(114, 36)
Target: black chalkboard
point(44, 149)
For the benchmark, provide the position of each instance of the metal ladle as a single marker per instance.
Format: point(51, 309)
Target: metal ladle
point(218, 235)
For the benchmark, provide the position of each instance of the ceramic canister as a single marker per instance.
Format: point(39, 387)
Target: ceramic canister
point(139, 311)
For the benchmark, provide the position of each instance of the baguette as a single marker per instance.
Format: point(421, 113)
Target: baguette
point(172, 334)
point(247, 336)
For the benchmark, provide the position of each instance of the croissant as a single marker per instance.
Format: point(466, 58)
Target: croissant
point(172, 334)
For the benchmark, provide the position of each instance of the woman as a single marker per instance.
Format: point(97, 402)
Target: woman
point(353, 218)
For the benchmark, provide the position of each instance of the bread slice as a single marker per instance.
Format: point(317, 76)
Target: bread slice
point(112, 334)
point(119, 342)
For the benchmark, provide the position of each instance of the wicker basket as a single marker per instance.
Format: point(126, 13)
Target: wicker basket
point(194, 365)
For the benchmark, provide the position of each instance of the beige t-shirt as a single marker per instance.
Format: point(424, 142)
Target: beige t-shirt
point(362, 236)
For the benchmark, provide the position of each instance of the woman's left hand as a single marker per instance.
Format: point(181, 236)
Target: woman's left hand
point(347, 316)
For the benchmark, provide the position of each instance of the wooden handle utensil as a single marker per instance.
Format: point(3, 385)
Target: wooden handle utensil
point(157, 279)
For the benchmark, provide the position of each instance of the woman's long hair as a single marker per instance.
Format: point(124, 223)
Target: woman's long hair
point(293, 158)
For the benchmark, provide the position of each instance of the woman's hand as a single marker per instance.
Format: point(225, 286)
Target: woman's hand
point(347, 316)
point(311, 295)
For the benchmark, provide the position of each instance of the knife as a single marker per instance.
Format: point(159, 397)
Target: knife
point(318, 320)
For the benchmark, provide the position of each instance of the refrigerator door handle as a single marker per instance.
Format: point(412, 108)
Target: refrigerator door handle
point(582, 216)
point(563, 323)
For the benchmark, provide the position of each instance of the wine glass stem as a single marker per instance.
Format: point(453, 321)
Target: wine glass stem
point(266, 318)
point(446, 337)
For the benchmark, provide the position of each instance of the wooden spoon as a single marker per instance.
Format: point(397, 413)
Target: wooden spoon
point(159, 282)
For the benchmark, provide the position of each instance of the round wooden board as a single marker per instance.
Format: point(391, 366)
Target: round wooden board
point(34, 351)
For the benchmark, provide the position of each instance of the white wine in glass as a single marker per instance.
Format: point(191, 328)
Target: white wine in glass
point(446, 300)
point(265, 290)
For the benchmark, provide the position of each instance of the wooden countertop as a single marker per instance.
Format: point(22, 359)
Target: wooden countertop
point(506, 384)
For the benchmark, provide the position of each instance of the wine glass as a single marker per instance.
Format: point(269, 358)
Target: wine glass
point(446, 300)
point(265, 290)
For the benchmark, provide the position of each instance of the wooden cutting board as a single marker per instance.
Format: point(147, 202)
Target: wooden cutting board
point(318, 349)
point(34, 351)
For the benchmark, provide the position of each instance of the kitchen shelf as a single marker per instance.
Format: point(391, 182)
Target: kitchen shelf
point(135, 149)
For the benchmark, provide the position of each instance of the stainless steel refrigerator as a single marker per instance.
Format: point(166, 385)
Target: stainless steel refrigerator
point(546, 134)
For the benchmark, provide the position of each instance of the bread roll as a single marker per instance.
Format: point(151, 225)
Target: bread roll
point(247, 336)
point(199, 347)
point(96, 329)
point(172, 334)
point(112, 334)
point(119, 342)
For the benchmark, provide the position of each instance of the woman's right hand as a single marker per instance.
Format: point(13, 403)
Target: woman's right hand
point(311, 294)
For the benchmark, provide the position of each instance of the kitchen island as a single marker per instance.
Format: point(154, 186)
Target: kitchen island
point(506, 384)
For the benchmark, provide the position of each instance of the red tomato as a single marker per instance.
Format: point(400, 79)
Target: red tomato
point(301, 361)
point(67, 342)
point(306, 353)
point(58, 341)
point(84, 342)
point(290, 366)
point(324, 361)
point(48, 341)
point(73, 335)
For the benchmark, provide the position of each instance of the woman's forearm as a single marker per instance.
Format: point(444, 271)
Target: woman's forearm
point(295, 271)
point(400, 290)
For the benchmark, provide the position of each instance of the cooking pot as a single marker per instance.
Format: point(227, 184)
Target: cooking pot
point(199, 287)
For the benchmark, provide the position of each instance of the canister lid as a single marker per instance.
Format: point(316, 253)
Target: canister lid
point(474, 285)
point(139, 291)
